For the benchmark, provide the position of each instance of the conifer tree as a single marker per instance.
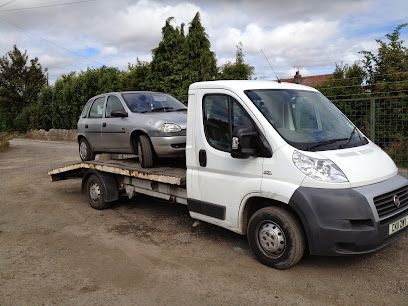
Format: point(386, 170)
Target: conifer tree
point(201, 62)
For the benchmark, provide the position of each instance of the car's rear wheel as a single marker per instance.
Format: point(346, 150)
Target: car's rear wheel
point(145, 151)
point(85, 151)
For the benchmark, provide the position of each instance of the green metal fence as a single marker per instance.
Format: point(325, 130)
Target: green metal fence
point(385, 121)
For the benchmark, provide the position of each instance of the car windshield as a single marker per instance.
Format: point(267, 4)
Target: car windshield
point(142, 102)
point(307, 120)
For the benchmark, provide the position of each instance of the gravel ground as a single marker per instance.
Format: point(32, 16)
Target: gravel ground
point(56, 250)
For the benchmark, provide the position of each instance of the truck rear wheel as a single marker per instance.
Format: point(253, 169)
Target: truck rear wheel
point(145, 151)
point(276, 237)
point(96, 193)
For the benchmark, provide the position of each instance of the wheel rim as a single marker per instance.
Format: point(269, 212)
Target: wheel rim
point(95, 192)
point(83, 150)
point(272, 239)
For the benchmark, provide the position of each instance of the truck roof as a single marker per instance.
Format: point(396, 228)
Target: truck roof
point(240, 85)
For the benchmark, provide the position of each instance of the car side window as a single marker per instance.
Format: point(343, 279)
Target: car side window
point(113, 104)
point(97, 108)
point(221, 115)
point(86, 109)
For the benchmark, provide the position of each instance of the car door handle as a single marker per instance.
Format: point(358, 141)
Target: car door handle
point(104, 124)
point(202, 158)
point(86, 126)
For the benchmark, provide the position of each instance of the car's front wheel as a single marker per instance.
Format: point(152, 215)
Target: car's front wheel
point(85, 151)
point(145, 151)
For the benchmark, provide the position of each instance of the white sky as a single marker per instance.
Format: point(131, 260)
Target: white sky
point(312, 35)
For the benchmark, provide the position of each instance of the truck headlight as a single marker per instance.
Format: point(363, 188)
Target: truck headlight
point(170, 128)
point(319, 169)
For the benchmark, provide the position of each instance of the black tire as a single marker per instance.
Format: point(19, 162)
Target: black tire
point(85, 151)
point(276, 237)
point(145, 151)
point(96, 193)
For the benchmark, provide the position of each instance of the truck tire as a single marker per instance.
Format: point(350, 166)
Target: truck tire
point(96, 193)
point(276, 237)
point(145, 151)
point(85, 151)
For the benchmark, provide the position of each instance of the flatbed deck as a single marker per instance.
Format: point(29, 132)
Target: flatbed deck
point(125, 167)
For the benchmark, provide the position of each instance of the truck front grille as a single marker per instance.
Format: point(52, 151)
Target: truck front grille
point(386, 206)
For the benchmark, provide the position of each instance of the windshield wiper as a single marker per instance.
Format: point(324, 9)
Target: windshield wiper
point(180, 109)
point(325, 142)
point(159, 109)
point(350, 137)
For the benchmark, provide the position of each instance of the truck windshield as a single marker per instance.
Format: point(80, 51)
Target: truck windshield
point(307, 120)
point(143, 102)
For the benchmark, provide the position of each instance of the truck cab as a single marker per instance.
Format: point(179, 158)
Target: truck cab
point(281, 164)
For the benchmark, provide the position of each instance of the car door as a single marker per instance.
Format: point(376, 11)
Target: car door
point(115, 130)
point(93, 125)
point(224, 181)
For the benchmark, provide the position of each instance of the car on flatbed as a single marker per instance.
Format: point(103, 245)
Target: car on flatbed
point(278, 163)
point(147, 124)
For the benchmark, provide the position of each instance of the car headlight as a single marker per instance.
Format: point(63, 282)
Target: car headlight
point(170, 128)
point(319, 169)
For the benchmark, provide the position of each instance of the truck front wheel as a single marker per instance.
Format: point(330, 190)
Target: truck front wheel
point(276, 237)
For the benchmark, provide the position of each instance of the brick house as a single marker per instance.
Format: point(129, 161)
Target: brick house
point(312, 80)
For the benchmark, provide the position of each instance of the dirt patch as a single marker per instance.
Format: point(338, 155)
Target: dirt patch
point(56, 250)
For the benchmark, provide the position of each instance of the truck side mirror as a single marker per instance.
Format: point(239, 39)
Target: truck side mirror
point(242, 144)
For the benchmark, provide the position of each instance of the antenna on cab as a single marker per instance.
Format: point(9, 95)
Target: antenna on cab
point(277, 78)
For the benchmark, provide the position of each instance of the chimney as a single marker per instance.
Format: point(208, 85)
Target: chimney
point(298, 77)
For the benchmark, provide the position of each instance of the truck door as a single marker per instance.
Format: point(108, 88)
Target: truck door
point(224, 181)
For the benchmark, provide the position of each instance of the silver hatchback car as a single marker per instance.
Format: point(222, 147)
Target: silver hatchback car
point(148, 124)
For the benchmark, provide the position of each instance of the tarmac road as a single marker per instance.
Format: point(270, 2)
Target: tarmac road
point(56, 250)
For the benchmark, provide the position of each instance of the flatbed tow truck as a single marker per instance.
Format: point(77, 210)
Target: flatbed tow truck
point(278, 163)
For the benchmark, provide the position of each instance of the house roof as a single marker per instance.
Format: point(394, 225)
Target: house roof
point(312, 80)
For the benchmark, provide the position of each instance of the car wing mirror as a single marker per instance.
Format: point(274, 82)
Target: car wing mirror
point(119, 113)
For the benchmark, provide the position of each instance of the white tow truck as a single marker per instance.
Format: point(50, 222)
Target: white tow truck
point(276, 162)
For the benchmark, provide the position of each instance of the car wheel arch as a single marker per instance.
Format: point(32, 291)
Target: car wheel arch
point(133, 138)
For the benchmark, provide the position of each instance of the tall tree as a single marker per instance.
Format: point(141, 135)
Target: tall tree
point(168, 62)
point(387, 69)
point(201, 62)
point(238, 70)
point(21, 80)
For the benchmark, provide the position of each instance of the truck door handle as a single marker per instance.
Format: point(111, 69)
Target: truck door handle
point(86, 126)
point(202, 158)
point(104, 124)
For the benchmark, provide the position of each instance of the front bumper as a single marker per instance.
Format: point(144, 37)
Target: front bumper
point(169, 146)
point(345, 221)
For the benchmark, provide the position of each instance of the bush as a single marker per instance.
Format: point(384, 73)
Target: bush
point(398, 151)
